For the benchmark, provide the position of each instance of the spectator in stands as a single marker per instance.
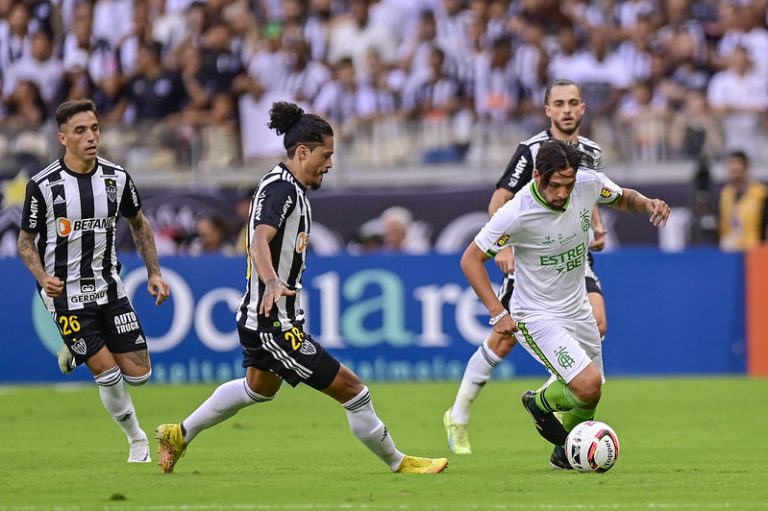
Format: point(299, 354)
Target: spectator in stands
point(14, 36)
point(743, 206)
point(345, 101)
point(355, 36)
point(39, 67)
point(212, 237)
point(497, 90)
point(739, 96)
point(303, 77)
point(643, 117)
point(154, 93)
point(25, 109)
point(401, 234)
point(695, 131)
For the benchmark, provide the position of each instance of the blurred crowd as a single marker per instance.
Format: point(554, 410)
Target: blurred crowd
point(183, 83)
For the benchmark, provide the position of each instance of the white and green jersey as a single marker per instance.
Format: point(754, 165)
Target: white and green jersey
point(550, 245)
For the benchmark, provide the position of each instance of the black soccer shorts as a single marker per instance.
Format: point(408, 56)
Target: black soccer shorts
point(293, 355)
point(114, 325)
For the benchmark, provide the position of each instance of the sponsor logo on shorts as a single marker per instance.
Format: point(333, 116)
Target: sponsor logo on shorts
point(79, 347)
point(126, 322)
point(140, 340)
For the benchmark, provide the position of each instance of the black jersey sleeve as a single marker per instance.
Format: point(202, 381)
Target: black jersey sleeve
point(519, 170)
point(33, 213)
point(274, 202)
point(130, 204)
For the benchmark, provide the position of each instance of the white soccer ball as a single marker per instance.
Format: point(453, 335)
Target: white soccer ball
point(592, 447)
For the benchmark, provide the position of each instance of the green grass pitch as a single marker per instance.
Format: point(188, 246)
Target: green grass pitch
point(687, 443)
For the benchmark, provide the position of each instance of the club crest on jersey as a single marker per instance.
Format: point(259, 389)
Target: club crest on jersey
point(502, 241)
point(111, 186)
point(605, 193)
point(302, 240)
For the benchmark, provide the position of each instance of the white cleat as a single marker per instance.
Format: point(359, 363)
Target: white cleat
point(66, 360)
point(140, 451)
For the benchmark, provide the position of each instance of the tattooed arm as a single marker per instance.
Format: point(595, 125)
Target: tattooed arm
point(52, 285)
point(145, 244)
point(633, 201)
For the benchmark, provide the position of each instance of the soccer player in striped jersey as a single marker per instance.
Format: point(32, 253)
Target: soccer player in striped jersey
point(67, 241)
point(549, 312)
point(270, 317)
point(565, 108)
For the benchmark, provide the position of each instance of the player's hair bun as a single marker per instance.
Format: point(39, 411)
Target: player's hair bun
point(283, 116)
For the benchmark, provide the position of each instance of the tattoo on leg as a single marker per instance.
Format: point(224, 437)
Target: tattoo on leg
point(138, 358)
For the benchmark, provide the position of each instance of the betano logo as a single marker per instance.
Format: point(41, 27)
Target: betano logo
point(65, 226)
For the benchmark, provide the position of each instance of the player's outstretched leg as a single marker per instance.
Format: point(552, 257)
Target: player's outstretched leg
point(416, 465)
point(228, 399)
point(458, 435)
point(172, 445)
point(558, 460)
point(545, 421)
point(476, 375)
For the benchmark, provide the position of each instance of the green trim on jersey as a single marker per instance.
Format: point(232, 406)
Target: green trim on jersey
point(490, 253)
point(541, 200)
point(529, 340)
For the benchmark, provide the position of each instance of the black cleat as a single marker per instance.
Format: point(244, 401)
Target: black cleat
point(546, 423)
point(559, 460)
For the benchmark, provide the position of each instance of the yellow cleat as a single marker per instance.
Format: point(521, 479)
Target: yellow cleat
point(416, 465)
point(172, 445)
point(458, 435)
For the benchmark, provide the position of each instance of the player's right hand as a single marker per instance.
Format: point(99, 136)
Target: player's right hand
point(52, 285)
point(505, 260)
point(274, 290)
point(506, 326)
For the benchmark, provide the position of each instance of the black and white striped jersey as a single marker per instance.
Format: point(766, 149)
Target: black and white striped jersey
point(519, 170)
point(281, 202)
point(75, 217)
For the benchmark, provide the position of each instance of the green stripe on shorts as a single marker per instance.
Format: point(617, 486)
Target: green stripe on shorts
point(529, 340)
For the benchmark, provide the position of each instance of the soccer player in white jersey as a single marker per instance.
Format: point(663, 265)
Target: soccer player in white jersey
point(565, 108)
point(547, 224)
point(270, 317)
point(67, 241)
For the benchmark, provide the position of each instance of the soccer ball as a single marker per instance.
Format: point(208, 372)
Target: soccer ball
point(592, 447)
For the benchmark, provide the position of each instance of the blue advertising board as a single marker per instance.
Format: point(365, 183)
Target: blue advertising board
point(398, 317)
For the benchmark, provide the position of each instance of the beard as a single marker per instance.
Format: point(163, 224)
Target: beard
point(567, 131)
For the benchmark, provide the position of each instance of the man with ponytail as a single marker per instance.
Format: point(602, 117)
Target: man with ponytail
point(270, 317)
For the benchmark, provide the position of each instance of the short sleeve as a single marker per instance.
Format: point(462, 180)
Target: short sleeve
point(500, 231)
point(274, 202)
point(33, 213)
point(519, 170)
point(610, 192)
point(130, 204)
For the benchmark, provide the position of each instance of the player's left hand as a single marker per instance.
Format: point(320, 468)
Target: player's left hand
point(659, 211)
point(598, 238)
point(159, 288)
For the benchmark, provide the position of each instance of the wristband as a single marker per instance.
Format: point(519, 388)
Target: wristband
point(498, 317)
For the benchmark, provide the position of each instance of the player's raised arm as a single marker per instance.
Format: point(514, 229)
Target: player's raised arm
point(633, 201)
